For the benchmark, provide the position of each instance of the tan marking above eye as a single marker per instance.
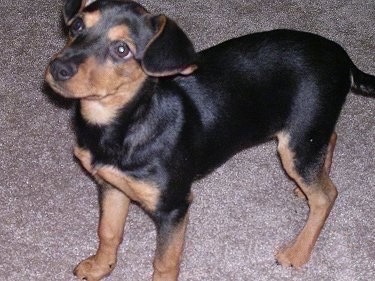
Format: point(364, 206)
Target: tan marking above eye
point(121, 33)
point(91, 19)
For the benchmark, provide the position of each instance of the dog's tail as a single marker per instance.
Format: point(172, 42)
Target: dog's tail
point(363, 83)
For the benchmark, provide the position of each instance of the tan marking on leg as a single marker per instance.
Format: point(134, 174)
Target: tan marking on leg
point(299, 193)
point(167, 260)
point(327, 164)
point(330, 149)
point(147, 194)
point(114, 210)
point(321, 196)
point(84, 156)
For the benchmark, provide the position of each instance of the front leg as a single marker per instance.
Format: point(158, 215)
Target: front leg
point(114, 210)
point(85, 157)
point(170, 223)
point(171, 228)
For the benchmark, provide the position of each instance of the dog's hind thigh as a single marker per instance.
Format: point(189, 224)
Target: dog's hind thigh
point(327, 163)
point(313, 179)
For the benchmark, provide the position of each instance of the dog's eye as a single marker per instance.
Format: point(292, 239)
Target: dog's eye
point(120, 50)
point(77, 26)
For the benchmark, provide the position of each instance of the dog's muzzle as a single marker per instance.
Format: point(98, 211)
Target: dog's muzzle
point(62, 70)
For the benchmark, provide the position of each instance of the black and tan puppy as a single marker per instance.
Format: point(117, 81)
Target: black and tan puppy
point(154, 115)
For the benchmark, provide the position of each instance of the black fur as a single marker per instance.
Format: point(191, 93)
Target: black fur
point(244, 92)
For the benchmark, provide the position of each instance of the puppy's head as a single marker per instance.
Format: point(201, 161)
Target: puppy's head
point(113, 46)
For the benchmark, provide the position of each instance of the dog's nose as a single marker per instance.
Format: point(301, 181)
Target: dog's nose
point(62, 70)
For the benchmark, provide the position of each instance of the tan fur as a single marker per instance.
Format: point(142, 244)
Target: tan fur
point(85, 157)
point(145, 193)
point(104, 89)
point(167, 260)
point(91, 19)
point(119, 32)
point(321, 196)
point(114, 210)
point(122, 32)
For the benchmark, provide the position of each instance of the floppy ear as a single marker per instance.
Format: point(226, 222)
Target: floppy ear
point(73, 7)
point(169, 51)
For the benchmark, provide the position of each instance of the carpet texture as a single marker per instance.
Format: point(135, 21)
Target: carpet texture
point(242, 213)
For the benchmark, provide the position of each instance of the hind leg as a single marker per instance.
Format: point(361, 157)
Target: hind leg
point(327, 163)
point(320, 193)
point(330, 149)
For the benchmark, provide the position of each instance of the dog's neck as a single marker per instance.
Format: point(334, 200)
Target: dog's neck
point(101, 112)
point(105, 111)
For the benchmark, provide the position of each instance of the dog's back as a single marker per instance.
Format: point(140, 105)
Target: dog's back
point(248, 89)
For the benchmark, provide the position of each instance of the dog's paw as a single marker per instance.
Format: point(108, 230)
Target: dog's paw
point(292, 257)
point(93, 270)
